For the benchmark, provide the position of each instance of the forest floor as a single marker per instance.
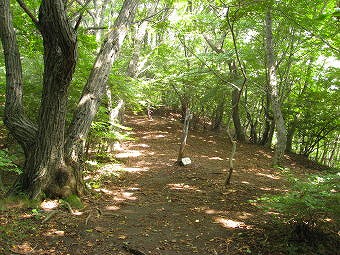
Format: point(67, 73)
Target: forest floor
point(145, 204)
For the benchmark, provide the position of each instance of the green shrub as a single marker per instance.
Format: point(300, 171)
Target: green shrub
point(308, 205)
point(74, 201)
point(103, 134)
point(6, 162)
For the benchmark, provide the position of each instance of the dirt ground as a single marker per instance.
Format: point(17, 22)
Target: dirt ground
point(145, 204)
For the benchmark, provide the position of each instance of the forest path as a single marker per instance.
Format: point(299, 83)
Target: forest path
point(146, 204)
point(159, 208)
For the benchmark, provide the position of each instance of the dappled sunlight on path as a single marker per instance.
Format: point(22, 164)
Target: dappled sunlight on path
point(146, 202)
point(179, 210)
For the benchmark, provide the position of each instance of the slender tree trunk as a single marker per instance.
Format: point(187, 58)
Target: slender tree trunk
point(267, 134)
point(219, 115)
point(95, 86)
point(100, 7)
point(333, 151)
point(274, 91)
point(184, 135)
point(240, 136)
point(134, 67)
point(184, 107)
point(324, 154)
point(253, 133)
point(290, 134)
point(270, 135)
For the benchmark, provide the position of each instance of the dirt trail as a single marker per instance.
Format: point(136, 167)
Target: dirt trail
point(157, 208)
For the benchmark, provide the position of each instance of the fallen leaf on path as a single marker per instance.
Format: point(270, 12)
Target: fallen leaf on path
point(24, 248)
point(100, 229)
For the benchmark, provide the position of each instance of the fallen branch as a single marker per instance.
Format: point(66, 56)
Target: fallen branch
point(68, 206)
point(88, 217)
point(49, 216)
point(133, 250)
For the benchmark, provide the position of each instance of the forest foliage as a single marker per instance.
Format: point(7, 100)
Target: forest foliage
point(177, 67)
point(237, 65)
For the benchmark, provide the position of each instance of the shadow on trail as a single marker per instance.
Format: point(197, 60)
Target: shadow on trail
point(147, 204)
point(160, 208)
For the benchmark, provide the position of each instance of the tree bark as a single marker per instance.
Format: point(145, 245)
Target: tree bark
point(48, 166)
point(290, 134)
point(45, 169)
point(188, 117)
point(95, 86)
point(240, 136)
point(22, 129)
point(271, 130)
point(99, 17)
point(134, 69)
point(274, 92)
point(219, 115)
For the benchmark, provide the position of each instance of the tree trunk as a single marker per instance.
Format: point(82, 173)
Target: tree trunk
point(269, 140)
point(47, 148)
point(274, 92)
point(99, 17)
point(240, 136)
point(268, 120)
point(253, 133)
point(219, 115)
point(290, 134)
point(333, 151)
point(184, 135)
point(22, 129)
point(95, 86)
point(134, 67)
point(45, 168)
point(324, 154)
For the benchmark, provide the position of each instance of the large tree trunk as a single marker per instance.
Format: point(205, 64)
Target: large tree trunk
point(274, 92)
point(45, 169)
point(51, 166)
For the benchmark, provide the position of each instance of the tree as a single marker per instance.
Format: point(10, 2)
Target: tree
point(52, 151)
point(274, 92)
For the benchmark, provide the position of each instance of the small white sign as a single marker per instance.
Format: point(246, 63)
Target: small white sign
point(185, 161)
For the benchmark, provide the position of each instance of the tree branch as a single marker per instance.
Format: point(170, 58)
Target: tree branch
point(28, 12)
point(309, 31)
point(54, 23)
point(210, 68)
point(231, 27)
point(87, 10)
point(81, 12)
